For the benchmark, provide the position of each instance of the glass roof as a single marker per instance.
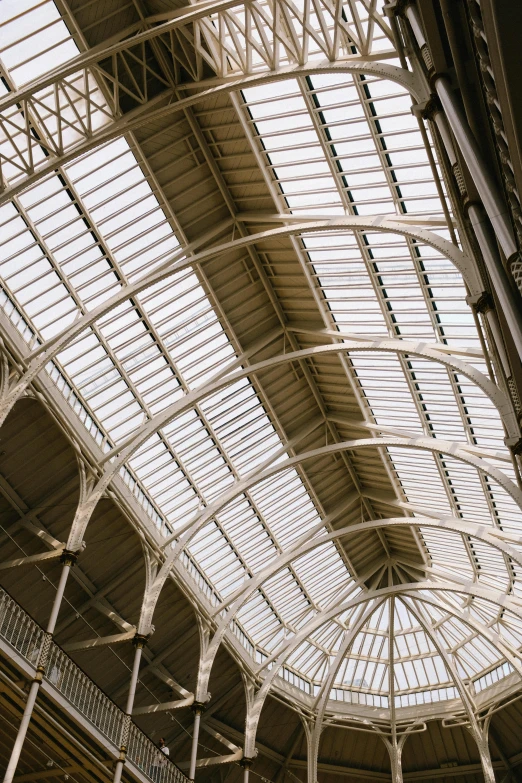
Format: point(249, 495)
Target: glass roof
point(330, 145)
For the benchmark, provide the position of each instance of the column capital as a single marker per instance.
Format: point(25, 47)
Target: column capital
point(140, 639)
point(481, 303)
point(395, 7)
point(514, 445)
point(428, 108)
point(69, 558)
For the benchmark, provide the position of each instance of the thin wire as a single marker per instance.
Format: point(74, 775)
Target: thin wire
point(40, 748)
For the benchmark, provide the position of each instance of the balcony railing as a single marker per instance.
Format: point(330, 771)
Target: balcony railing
point(23, 634)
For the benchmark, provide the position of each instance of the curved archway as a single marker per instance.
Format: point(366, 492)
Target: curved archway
point(38, 358)
point(242, 594)
point(163, 105)
point(184, 535)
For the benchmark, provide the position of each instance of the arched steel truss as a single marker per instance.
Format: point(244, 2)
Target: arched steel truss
point(80, 76)
point(88, 504)
point(38, 358)
point(277, 660)
point(235, 72)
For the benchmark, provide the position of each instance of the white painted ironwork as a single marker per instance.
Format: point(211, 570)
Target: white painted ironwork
point(114, 307)
point(26, 638)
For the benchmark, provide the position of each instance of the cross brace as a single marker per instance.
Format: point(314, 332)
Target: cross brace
point(164, 706)
point(99, 641)
point(20, 561)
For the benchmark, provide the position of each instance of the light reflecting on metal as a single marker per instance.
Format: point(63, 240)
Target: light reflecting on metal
point(113, 306)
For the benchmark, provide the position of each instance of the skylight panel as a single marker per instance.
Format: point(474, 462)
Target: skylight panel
point(420, 478)
point(37, 28)
point(370, 123)
point(386, 390)
point(284, 125)
point(335, 144)
point(31, 274)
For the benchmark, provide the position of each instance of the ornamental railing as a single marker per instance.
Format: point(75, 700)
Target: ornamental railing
point(33, 644)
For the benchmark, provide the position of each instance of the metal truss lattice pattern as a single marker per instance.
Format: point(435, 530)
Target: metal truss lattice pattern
point(86, 220)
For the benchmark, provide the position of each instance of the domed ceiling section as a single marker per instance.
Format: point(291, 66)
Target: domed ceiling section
point(321, 377)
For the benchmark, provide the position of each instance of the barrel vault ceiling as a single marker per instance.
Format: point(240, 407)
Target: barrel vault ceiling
point(176, 182)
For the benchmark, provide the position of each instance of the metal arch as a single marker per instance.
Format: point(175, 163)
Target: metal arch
point(495, 394)
point(355, 63)
point(169, 101)
point(480, 532)
point(473, 530)
point(238, 599)
point(386, 345)
point(303, 547)
point(185, 534)
point(126, 449)
point(38, 358)
point(422, 443)
point(276, 660)
point(179, 261)
point(254, 713)
point(86, 508)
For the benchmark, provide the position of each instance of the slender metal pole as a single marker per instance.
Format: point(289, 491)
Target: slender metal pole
point(198, 709)
point(68, 559)
point(494, 204)
point(139, 642)
point(390, 13)
point(436, 179)
point(486, 185)
point(498, 275)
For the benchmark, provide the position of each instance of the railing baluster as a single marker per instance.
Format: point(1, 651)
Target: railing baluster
point(26, 637)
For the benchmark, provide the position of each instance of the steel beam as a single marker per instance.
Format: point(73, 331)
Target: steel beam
point(152, 709)
point(53, 554)
point(165, 104)
point(99, 641)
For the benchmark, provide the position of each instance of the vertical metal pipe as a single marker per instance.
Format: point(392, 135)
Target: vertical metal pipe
point(445, 134)
point(195, 737)
point(487, 188)
point(390, 13)
point(416, 25)
point(436, 179)
point(494, 203)
point(139, 643)
point(68, 560)
point(51, 625)
point(134, 679)
point(494, 326)
point(498, 275)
